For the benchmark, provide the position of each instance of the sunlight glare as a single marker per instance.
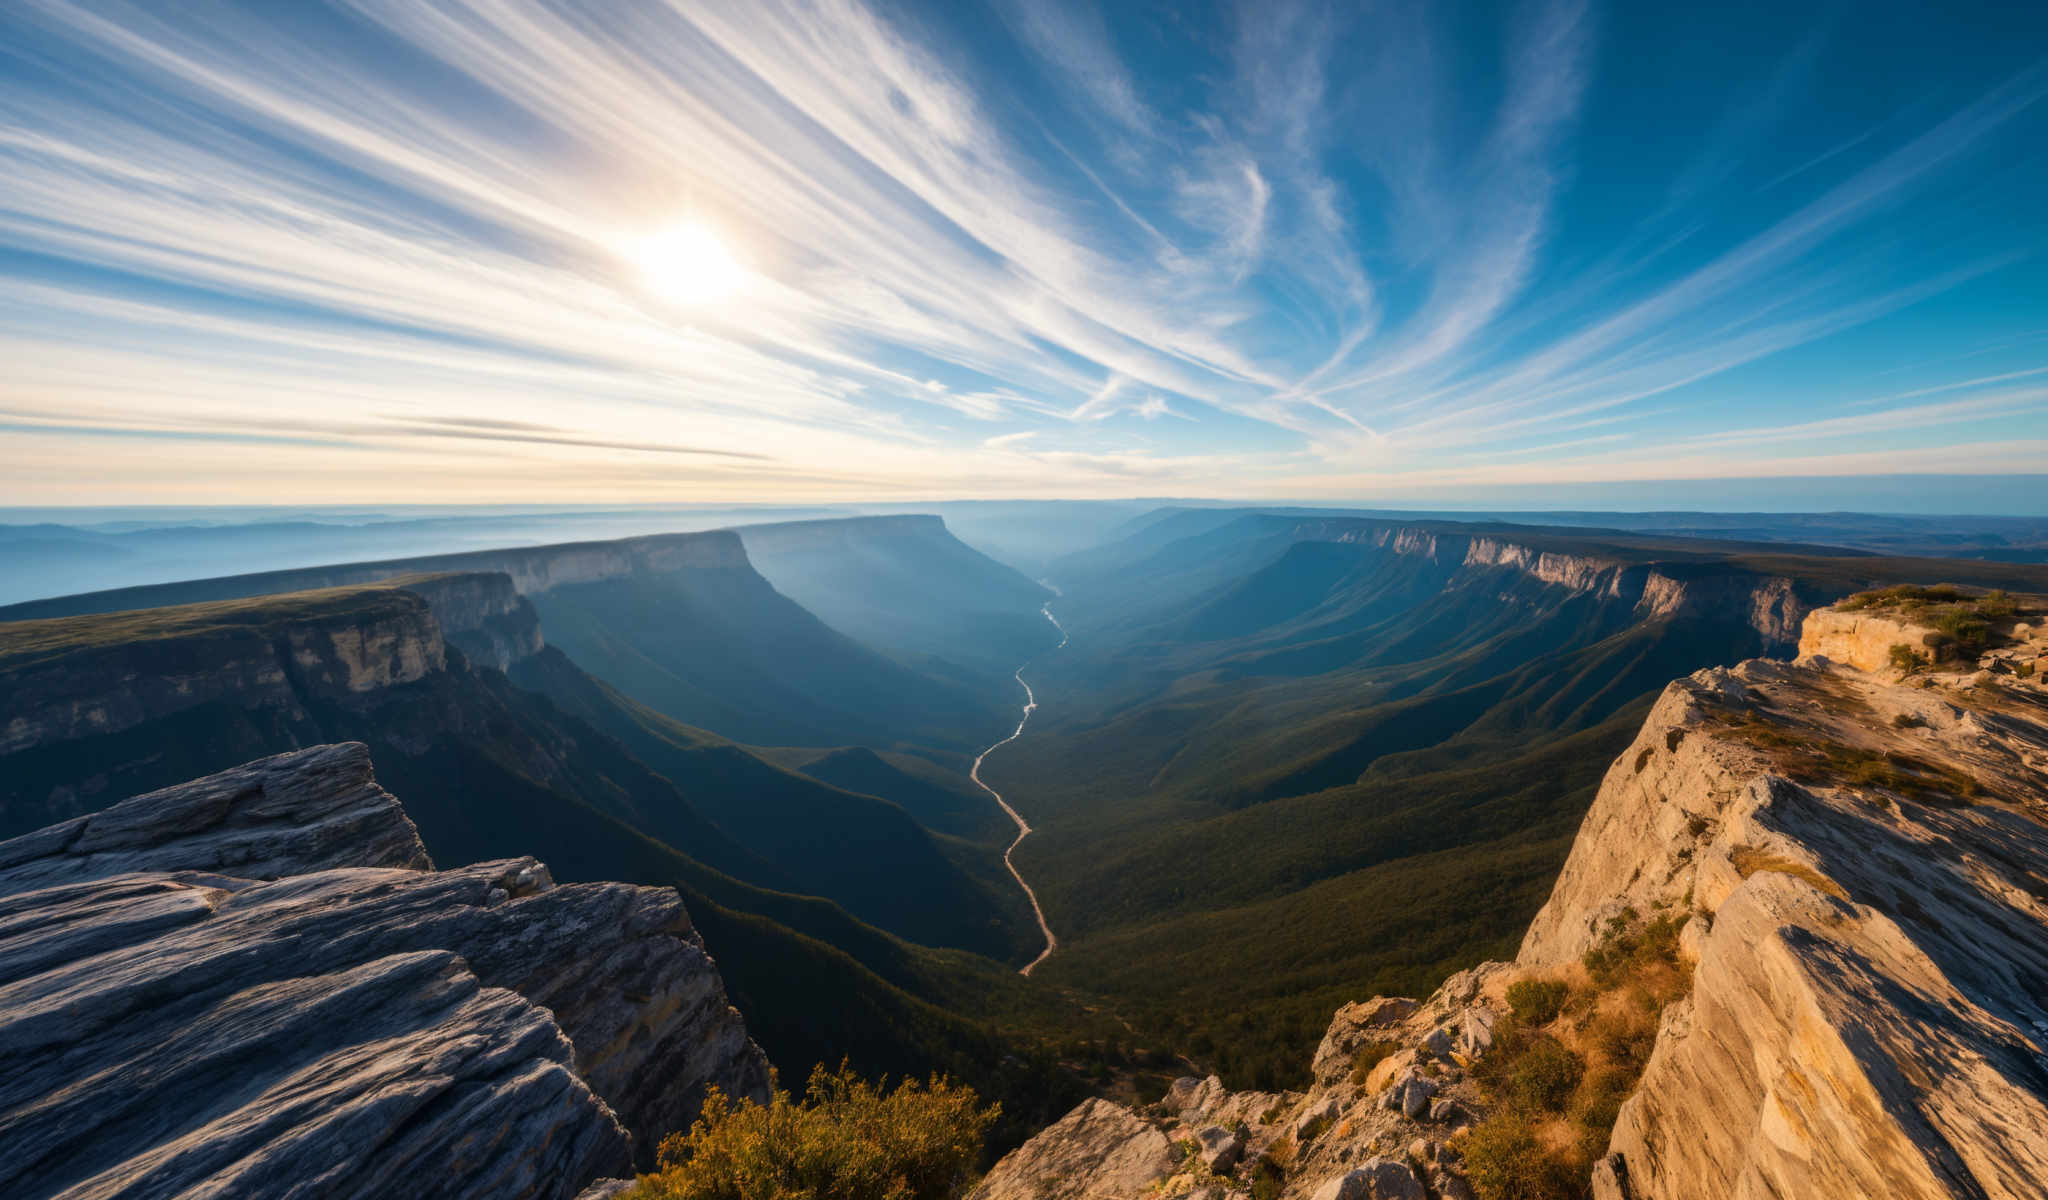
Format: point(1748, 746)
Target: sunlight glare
point(689, 264)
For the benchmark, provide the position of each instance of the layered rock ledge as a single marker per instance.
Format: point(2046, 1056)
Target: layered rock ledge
point(1769, 604)
point(252, 984)
point(1857, 862)
point(1864, 857)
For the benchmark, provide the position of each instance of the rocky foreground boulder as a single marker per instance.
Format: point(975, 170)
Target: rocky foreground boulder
point(255, 985)
point(1852, 860)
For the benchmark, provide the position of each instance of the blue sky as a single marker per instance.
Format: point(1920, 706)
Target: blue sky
point(426, 250)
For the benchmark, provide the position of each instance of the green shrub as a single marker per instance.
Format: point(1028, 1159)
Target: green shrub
point(1268, 1179)
point(1966, 630)
point(1546, 1076)
point(847, 1139)
point(1370, 1055)
point(1537, 1001)
point(1906, 659)
point(1505, 1160)
point(1626, 1041)
point(1629, 945)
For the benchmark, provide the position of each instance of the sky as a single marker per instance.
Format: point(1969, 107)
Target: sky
point(805, 250)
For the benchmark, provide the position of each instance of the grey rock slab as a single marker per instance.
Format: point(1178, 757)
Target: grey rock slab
point(1375, 1179)
point(337, 1029)
point(285, 815)
point(1099, 1151)
point(1219, 1148)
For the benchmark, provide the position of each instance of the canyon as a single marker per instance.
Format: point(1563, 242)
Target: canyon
point(1288, 761)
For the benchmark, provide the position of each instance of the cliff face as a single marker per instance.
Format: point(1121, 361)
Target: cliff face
point(68, 679)
point(482, 613)
point(1766, 603)
point(1860, 865)
point(532, 569)
point(1866, 866)
point(252, 984)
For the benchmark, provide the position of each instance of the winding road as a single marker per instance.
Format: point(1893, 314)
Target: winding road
point(1023, 827)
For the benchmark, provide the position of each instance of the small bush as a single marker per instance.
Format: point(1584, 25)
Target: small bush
point(1537, 1001)
point(1906, 659)
point(847, 1139)
point(1269, 1179)
point(1967, 631)
point(1505, 1160)
point(1625, 1040)
point(1630, 945)
point(1546, 1076)
point(1370, 1055)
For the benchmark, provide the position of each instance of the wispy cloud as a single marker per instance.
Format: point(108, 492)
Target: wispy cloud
point(1326, 241)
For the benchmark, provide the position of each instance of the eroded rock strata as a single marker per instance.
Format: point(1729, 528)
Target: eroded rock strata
point(1857, 863)
point(252, 984)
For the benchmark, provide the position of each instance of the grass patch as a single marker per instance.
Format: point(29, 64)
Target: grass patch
point(1566, 1058)
point(1545, 1076)
point(1905, 659)
point(1963, 623)
point(1818, 762)
point(1537, 1001)
point(1749, 860)
point(34, 643)
point(1506, 1160)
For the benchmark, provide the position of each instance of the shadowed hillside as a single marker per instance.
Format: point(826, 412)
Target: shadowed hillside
point(906, 584)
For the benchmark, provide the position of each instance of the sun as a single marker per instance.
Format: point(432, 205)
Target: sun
point(688, 264)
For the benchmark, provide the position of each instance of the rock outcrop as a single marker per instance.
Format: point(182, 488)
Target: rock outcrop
point(1860, 864)
point(1866, 867)
point(289, 815)
point(252, 984)
point(1391, 1092)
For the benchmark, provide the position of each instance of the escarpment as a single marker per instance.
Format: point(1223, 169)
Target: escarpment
point(531, 569)
point(1799, 949)
point(1769, 604)
point(253, 984)
point(76, 677)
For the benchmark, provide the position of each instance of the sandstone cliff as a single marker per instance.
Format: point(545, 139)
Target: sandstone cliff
point(482, 613)
point(1769, 604)
point(252, 984)
point(1850, 869)
point(75, 677)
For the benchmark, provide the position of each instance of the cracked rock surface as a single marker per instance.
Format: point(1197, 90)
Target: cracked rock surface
point(252, 985)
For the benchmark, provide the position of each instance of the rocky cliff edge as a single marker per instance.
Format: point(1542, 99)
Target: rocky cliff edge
point(254, 985)
point(1847, 863)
